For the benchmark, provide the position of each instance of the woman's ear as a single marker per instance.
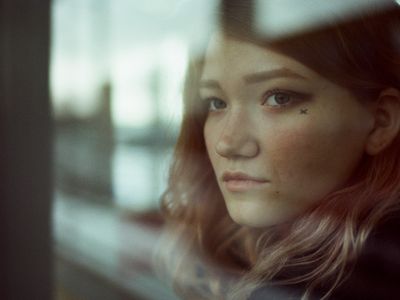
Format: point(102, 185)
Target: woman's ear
point(387, 121)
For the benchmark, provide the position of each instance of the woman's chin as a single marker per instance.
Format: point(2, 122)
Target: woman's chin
point(259, 214)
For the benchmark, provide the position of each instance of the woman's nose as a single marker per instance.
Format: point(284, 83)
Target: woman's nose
point(237, 139)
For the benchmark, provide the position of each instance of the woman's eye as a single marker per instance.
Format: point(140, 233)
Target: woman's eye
point(277, 98)
point(216, 104)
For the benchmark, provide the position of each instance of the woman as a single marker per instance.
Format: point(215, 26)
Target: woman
point(285, 182)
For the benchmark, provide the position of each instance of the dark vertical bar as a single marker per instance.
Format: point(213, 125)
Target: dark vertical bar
point(25, 150)
point(237, 17)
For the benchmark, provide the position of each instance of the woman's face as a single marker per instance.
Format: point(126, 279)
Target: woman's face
point(279, 136)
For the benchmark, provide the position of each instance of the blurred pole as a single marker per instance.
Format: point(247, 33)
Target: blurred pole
point(25, 151)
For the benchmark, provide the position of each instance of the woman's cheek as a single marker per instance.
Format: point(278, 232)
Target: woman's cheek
point(296, 154)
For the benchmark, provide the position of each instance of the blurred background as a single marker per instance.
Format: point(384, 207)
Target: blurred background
point(91, 102)
point(116, 76)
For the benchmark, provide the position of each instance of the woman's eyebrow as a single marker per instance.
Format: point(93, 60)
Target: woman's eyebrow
point(209, 84)
point(255, 78)
point(271, 74)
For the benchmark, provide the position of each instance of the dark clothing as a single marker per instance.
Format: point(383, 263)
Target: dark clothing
point(376, 274)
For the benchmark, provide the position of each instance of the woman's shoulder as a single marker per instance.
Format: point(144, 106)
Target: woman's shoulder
point(376, 274)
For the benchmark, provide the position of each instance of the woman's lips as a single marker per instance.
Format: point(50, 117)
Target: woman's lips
point(241, 182)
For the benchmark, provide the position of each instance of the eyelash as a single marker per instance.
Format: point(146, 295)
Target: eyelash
point(209, 102)
point(294, 97)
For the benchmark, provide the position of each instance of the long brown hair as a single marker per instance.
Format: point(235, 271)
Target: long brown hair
point(319, 247)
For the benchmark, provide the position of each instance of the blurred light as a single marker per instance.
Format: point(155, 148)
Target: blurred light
point(134, 98)
point(278, 18)
point(174, 58)
point(74, 86)
point(78, 62)
point(132, 177)
point(139, 177)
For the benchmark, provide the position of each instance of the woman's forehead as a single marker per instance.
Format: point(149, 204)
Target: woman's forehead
point(225, 55)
